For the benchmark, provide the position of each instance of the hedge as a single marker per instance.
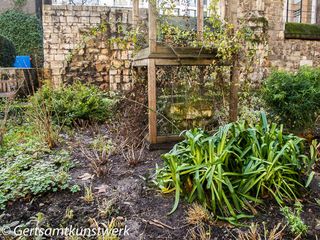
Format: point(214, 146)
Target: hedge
point(7, 52)
point(25, 31)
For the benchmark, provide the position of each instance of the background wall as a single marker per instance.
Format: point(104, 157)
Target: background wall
point(284, 53)
point(30, 6)
point(72, 52)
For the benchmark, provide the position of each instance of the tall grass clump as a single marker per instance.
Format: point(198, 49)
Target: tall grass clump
point(240, 165)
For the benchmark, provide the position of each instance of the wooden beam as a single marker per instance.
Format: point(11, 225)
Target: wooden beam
point(234, 90)
point(200, 19)
point(135, 13)
point(152, 25)
point(152, 101)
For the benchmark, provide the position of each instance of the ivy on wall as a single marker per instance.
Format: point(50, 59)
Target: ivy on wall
point(25, 32)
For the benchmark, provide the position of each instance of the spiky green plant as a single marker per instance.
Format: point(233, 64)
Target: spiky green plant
point(240, 163)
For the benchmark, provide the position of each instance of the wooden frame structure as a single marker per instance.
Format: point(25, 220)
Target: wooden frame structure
point(159, 55)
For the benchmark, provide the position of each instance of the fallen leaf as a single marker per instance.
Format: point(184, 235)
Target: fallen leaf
point(102, 188)
point(86, 176)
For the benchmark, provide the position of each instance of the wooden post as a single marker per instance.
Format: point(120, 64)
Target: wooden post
point(152, 101)
point(234, 90)
point(152, 25)
point(231, 16)
point(152, 85)
point(135, 12)
point(200, 19)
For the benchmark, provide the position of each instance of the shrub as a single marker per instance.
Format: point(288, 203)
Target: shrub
point(73, 103)
point(241, 162)
point(25, 32)
point(294, 98)
point(7, 52)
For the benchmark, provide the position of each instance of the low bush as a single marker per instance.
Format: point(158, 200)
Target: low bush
point(7, 52)
point(294, 98)
point(239, 164)
point(72, 104)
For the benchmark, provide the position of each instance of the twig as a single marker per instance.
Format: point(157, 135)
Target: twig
point(157, 223)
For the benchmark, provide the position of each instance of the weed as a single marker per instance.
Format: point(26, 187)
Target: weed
point(106, 208)
point(199, 232)
point(69, 214)
point(293, 218)
point(276, 233)
point(75, 188)
point(132, 155)
point(98, 160)
point(88, 194)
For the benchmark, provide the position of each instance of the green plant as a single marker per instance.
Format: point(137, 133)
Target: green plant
point(75, 188)
point(25, 32)
point(28, 167)
point(293, 218)
point(294, 97)
point(73, 103)
point(240, 163)
point(7, 52)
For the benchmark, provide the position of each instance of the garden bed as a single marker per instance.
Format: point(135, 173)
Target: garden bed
point(136, 202)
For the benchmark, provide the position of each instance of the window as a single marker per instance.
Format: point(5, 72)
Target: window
point(302, 11)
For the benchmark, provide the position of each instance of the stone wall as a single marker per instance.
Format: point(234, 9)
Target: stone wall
point(75, 50)
point(287, 54)
point(280, 53)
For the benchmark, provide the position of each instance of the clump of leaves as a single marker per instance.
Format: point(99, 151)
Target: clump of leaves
point(293, 218)
point(73, 103)
point(294, 97)
point(28, 167)
point(240, 163)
